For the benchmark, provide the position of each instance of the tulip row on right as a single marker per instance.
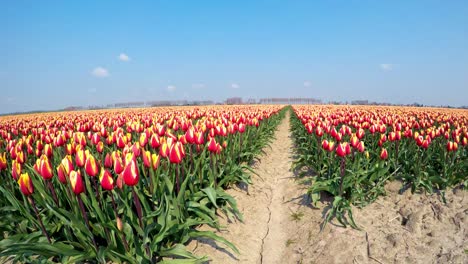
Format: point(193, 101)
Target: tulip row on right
point(354, 150)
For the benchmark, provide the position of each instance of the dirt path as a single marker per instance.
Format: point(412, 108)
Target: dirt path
point(280, 225)
point(261, 238)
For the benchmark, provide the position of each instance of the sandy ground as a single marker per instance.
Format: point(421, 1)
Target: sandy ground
point(280, 225)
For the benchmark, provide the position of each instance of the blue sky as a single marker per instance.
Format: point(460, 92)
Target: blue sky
point(54, 54)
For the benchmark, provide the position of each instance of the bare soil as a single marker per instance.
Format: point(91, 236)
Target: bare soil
point(281, 226)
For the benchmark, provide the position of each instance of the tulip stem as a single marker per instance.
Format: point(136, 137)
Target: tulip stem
point(124, 239)
point(342, 169)
point(39, 219)
point(140, 216)
point(177, 172)
point(85, 216)
point(52, 190)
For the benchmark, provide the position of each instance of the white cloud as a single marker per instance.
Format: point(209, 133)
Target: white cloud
point(307, 84)
point(100, 72)
point(171, 88)
point(124, 57)
point(386, 66)
point(235, 86)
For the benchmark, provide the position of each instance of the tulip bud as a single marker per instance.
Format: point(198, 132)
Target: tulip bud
point(119, 224)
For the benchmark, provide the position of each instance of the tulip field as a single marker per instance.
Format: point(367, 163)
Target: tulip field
point(354, 151)
point(123, 185)
point(133, 185)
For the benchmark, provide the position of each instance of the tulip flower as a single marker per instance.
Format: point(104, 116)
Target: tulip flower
point(241, 128)
point(343, 149)
point(199, 139)
point(155, 143)
point(146, 159)
point(155, 159)
point(100, 147)
point(383, 154)
point(61, 173)
point(108, 161)
point(25, 184)
point(106, 180)
point(360, 146)
point(91, 166)
point(130, 173)
point(15, 169)
point(3, 162)
point(143, 140)
point(80, 158)
point(176, 153)
point(76, 182)
point(212, 147)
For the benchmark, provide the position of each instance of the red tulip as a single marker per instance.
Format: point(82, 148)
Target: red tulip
point(360, 146)
point(325, 144)
point(384, 154)
point(15, 169)
point(118, 165)
point(190, 135)
point(130, 173)
point(100, 147)
point(452, 146)
point(48, 150)
point(80, 158)
point(164, 150)
point(319, 131)
point(45, 168)
point(155, 141)
point(3, 162)
point(67, 164)
point(241, 128)
point(146, 159)
point(155, 159)
point(91, 166)
point(76, 182)
point(20, 156)
point(62, 174)
point(354, 141)
point(108, 161)
point(176, 153)
point(360, 133)
point(212, 146)
point(107, 182)
point(199, 138)
point(25, 184)
point(343, 149)
point(143, 139)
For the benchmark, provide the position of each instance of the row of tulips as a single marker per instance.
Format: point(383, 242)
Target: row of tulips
point(123, 185)
point(354, 151)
